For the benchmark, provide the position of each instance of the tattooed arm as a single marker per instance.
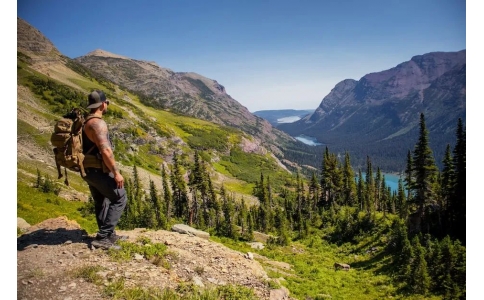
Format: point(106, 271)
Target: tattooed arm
point(97, 131)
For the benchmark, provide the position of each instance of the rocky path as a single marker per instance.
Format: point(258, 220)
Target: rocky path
point(50, 253)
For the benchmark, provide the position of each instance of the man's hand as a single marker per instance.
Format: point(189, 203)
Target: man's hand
point(119, 180)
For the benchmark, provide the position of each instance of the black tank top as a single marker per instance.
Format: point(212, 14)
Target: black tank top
point(87, 144)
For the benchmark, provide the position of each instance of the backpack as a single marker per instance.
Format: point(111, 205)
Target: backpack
point(67, 142)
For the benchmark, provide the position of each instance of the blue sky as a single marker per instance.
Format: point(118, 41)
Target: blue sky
point(267, 54)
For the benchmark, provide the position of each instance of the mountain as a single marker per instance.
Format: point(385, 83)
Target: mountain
point(378, 115)
point(273, 116)
point(183, 92)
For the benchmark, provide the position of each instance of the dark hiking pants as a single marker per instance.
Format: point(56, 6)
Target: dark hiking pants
point(109, 201)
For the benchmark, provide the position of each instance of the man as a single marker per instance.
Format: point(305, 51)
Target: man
point(102, 176)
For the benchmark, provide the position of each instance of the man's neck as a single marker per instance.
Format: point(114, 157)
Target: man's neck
point(98, 113)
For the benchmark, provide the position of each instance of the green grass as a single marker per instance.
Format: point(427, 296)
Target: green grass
point(35, 206)
point(312, 275)
point(143, 246)
point(27, 131)
point(88, 273)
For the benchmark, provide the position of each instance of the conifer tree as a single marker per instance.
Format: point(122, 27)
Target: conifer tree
point(401, 201)
point(409, 178)
point(180, 196)
point(349, 185)
point(242, 218)
point(378, 190)
point(137, 192)
point(157, 206)
point(425, 172)
point(229, 227)
point(361, 191)
point(281, 226)
point(370, 187)
point(250, 227)
point(331, 178)
point(419, 276)
point(313, 198)
point(447, 185)
point(129, 219)
point(458, 205)
point(167, 196)
point(263, 213)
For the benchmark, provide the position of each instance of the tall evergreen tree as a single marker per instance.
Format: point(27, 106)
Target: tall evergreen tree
point(157, 206)
point(447, 181)
point(349, 184)
point(425, 172)
point(361, 191)
point(313, 197)
point(458, 204)
point(409, 178)
point(401, 201)
point(180, 196)
point(167, 196)
point(229, 227)
point(419, 276)
point(370, 187)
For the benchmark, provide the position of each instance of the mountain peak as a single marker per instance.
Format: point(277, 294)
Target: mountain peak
point(104, 53)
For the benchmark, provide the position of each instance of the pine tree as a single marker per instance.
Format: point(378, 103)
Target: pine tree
point(409, 178)
point(313, 197)
point(425, 172)
point(361, 191)
point(157, 206)
point(458, 205)
point(419, 276)
point(167, 196)
point(370, 187)
point(401, 201)
point(447, 185)
point(180, 196)
point(331, 179)
point(378, 189)
point(349, 185)
point(229, 227)
point(242, 218)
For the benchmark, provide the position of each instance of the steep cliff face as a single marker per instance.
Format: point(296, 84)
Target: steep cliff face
point(381, 110)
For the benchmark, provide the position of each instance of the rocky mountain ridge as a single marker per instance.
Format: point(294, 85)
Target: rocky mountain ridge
point(379, 113)
point(183, 92)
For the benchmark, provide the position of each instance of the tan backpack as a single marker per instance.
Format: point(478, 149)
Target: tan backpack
point(67, 142)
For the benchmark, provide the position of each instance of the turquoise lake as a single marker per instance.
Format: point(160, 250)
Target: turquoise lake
point(391, 180)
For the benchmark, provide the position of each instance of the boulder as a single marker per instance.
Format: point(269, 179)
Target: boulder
point(22, 224)
point(185, 229)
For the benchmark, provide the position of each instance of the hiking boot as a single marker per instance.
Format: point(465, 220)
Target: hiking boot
point(105, 243)
point(114, 237)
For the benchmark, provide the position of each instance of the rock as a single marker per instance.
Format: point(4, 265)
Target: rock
point(250, 255)
point(197, 281)
point(256, 245)
point(279, 294)
point(185, 229)
point(22, 224)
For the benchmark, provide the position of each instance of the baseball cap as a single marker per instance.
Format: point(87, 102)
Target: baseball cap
point(96, 98)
